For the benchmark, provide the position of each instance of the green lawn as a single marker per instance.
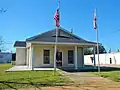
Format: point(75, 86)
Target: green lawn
point(28, 78)
point(114, 75)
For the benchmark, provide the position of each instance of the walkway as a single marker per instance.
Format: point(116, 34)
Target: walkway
point(88, 81)
point(26, 68)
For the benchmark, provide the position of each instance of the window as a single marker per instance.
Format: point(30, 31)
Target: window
point(70, 57)
point(46, 56)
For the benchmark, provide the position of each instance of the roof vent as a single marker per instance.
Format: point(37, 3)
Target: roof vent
point(71, 30)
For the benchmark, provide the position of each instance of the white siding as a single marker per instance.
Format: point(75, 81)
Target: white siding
point(20, 56)
point(38, 56)
point(65, 56)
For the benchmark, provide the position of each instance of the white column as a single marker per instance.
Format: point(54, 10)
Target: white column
point(27, 62)
point(30, 55)
point(55, 57)
point(32, 58)
point(83, 57)
point(76, 66)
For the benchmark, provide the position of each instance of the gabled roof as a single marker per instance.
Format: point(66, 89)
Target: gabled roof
point(64, 36)
point(20, 44)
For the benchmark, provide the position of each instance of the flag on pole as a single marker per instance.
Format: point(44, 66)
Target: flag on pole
point(95, 20)
point(96, 28)
point(57, 18)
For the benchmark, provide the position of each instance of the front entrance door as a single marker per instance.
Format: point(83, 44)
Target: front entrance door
point(59, 59)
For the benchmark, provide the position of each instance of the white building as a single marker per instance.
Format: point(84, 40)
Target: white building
point(107, 58)
point(38, 51)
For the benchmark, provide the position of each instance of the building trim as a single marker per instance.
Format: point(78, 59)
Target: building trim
point(60, 43)
point(19, 47)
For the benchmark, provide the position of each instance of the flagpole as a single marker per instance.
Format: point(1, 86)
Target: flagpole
point(55, 51)
point(97, 38)
point(98, 48)
point(56, 40)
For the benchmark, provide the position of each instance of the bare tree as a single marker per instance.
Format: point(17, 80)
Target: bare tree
point(89, 51)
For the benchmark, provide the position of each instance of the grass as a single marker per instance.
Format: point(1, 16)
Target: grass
point(113, 75)
point(25, 79)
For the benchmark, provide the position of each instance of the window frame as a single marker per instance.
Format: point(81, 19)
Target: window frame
point(71, 56)
point(46, 57)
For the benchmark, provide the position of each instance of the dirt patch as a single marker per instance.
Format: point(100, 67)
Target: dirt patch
point(87, 81)
point(57, 88)
point(75, 88)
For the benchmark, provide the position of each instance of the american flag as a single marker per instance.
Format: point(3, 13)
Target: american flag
point(57, 18)
point(95, 20)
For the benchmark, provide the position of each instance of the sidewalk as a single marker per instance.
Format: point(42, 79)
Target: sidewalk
point(89, 81)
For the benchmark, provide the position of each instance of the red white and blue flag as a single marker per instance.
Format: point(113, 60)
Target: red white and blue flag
point(57, 18)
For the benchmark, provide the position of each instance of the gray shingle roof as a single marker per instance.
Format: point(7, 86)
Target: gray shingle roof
point(20, 44)
point(64, 36)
